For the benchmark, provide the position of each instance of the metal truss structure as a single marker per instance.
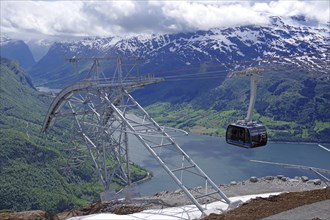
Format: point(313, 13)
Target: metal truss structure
point(106, 115)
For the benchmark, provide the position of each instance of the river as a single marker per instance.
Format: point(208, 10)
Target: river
point(224, 163)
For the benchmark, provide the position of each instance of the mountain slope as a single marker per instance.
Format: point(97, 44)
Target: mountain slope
point(32, 164)
point(292, 104)
point(16, 50)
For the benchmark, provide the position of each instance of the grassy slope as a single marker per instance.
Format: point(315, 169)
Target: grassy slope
point(31, 175)
point(31, 163)
point(292, 106)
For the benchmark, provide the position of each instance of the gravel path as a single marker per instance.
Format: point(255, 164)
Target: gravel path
point(304, 205)
point(318, 210)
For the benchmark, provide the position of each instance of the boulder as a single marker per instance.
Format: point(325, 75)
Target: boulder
point(304, 178)
point(253, 179)
point(269, 178)
point(179, 190)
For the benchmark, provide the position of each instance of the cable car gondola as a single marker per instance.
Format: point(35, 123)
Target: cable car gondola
point(247, 135)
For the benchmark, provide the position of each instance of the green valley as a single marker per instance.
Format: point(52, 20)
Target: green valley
point(294, 107)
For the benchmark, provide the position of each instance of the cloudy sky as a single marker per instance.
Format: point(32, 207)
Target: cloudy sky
point(27, 20)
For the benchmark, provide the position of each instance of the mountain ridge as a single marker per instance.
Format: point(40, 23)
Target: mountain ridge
point(215, 46)
point(16, 50)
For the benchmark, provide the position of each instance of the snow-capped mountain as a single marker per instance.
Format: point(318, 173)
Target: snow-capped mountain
point(217, 46)
point(16, 50)
point(281, 47)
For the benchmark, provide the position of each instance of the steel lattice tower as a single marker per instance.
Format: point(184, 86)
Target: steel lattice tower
point(105, 114)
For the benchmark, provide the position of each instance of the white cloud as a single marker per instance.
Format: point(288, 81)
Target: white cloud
point(40, 19)
point(29, 18)
point(318, 10)
point(204, 16)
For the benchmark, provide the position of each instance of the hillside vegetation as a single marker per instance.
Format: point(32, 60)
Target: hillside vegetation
point(31, 163)
point(293, 105)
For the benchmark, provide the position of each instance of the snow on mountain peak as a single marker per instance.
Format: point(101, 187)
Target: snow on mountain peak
point(278, 39)
point(4, 39)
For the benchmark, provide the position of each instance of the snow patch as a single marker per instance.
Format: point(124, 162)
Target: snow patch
point(173, 213)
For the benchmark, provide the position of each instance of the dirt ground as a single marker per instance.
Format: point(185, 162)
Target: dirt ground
point(263, 207)
point(299, 193)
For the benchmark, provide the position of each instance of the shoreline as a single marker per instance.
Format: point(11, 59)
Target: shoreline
point(148, 177)
point(266, 184)
point(297, 142)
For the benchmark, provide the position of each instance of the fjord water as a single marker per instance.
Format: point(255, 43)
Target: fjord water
point(224, 163)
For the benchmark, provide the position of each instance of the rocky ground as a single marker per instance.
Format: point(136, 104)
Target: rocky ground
point(300, 191)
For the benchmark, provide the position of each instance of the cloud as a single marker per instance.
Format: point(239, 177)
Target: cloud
point(29, 18)
point(42, 19)
point(313, 10)
point(196, 15)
